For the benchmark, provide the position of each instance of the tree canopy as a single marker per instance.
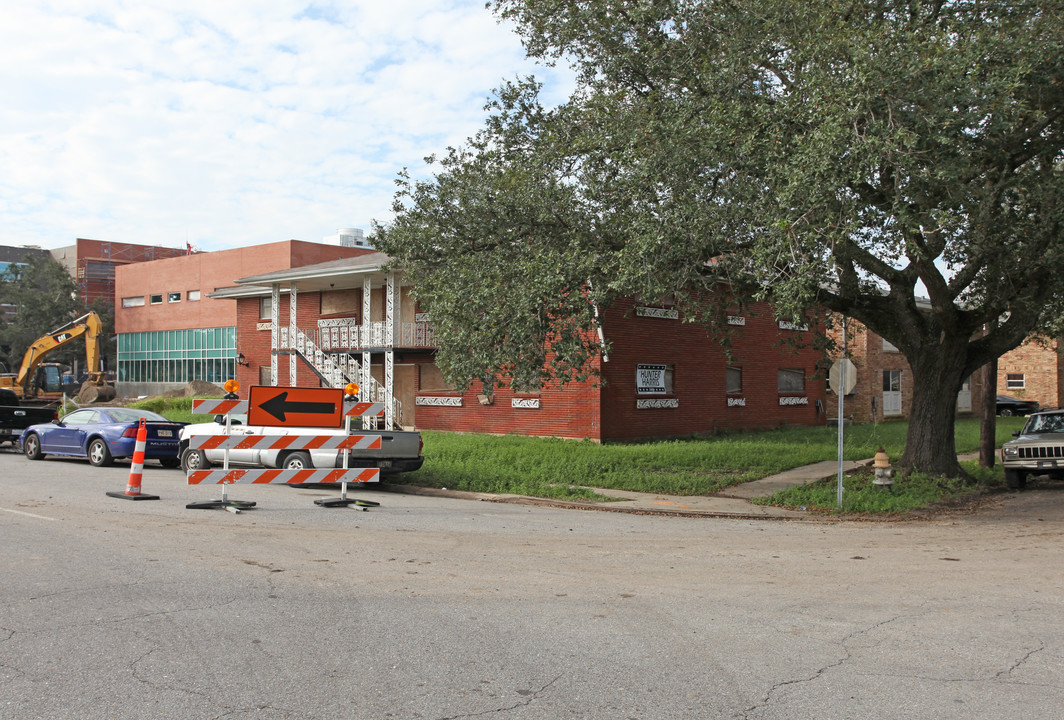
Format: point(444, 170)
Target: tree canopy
point(40, 296)
point(900, 162)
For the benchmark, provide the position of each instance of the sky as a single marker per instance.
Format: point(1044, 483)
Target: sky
point(229, 123)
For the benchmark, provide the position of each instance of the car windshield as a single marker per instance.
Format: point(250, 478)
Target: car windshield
point(1045, 423)
point(132, 415)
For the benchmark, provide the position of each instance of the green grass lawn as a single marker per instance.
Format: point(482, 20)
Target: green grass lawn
point(546, 467)
point(553, 468)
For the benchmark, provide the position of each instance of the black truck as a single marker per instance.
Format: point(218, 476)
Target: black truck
point(15, 417)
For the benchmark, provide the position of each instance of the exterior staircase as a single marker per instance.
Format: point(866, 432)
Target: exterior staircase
point(337, 370)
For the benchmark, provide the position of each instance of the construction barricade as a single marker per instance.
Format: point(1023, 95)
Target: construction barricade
point(226, 442)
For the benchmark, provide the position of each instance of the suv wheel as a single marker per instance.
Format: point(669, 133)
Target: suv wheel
point(1015, 479)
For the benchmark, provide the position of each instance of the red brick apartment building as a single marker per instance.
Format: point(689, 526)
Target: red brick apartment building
point(1033, 371)
point(884, 389)
point(352, 320)
point(170, 330)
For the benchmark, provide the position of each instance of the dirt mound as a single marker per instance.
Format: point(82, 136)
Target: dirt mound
point(201, 388)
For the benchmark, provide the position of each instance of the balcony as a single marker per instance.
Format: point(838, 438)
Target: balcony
point(335, 335)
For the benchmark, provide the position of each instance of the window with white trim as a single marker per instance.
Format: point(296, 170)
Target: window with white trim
point(1015, 381)
point(156, 299)
point(173, 297)
point(137, 301)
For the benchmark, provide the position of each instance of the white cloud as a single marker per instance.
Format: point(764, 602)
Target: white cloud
point(233, 123)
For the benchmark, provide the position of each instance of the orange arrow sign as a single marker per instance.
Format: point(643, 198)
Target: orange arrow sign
point(295, 406)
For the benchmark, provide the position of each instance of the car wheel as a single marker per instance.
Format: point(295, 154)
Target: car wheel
point(169, 462)
point(1005, 412)
point(1015, 479)
point(192, 460)
point(297, 461)
point(99, 453)
point(32, 447)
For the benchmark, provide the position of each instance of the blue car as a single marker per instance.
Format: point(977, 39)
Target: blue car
point(103, 434)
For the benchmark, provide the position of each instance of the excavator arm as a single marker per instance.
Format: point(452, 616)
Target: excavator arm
point(88, 325)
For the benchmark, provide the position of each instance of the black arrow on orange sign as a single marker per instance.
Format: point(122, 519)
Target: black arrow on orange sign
point(278, 405)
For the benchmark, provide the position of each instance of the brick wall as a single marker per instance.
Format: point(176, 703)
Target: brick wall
point(759, 349)
point(1040, 366)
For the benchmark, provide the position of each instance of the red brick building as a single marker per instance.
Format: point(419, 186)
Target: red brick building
point(1033, 371)
point(170, 330)
point(884, 389)
point(92, 264)
point(352, 320)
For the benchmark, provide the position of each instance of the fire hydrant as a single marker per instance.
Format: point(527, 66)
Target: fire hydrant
point(884, 472)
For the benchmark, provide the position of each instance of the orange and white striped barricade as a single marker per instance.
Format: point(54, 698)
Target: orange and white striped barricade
point(226, 407)
point(219, 407)
point(352, 410)
point(136, 469)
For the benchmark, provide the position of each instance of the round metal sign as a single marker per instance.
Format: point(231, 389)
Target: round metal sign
point(843, 374)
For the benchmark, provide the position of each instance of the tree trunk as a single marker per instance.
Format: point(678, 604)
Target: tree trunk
point(931, 446)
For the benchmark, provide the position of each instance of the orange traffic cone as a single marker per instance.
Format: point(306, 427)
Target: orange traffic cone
point(136, 469)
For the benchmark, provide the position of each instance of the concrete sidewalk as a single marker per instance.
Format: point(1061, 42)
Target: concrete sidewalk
point(731, 502)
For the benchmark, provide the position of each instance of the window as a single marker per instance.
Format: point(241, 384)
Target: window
point(790, 380)
point(653, 379)
point(157, 299)
point(266, 308)
point(430, 379)
point(173, 297)
point(1015, 381)
point(192, 295)
point(734, 380)
point(137, 301)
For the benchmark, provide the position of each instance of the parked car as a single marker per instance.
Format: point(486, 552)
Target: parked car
point(400, 450)
point(102, 434)
point(1037, 450)
point(1013, 406)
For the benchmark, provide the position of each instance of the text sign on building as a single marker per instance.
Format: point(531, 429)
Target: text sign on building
point(295, 406)
point(650, 379)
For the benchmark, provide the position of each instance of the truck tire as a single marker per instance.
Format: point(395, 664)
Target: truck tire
point(192, 460)
point(98, 452)
point(32, 447)
point(297, 461)
point(1015, 479)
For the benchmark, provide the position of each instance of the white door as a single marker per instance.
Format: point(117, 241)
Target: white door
point(891, 392)
point(964, 397)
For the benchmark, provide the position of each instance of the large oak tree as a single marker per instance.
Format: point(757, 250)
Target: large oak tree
point(895, 161)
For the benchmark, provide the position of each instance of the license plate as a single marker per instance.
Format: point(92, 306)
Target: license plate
point(1047, 463)
point(166, 433)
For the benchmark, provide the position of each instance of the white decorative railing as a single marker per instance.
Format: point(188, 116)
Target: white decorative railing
point(338, 369)
point(346, 334)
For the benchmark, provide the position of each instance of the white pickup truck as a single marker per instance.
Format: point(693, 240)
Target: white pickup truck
point(400, 450)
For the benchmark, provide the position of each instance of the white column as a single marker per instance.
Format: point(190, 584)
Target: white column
point(292, 292)
point(275, 330)
point(367, 358)
point(391, 313)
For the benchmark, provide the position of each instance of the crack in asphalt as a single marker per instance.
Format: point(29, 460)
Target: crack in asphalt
point(530, 698)
point(767, 698)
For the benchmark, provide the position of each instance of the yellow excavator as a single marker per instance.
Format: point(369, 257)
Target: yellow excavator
point(40, 381)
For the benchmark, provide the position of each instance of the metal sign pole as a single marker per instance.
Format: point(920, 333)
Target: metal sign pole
point(841, 390)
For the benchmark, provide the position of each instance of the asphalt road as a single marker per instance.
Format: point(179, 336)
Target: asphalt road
point(443, 608)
